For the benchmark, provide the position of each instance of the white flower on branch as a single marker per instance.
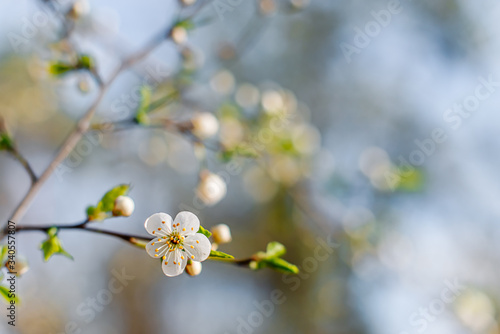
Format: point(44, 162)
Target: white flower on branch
point(211, 189)
point(176, 241)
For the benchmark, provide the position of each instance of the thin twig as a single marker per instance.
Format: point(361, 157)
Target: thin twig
point(81, 128)
point(19, 157)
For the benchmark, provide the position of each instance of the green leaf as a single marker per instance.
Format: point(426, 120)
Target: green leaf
point(186, 24)
point(220, 255)
point(281, 265)
point(103, 209)
point(142, 111)
point(274, 249)
point(271, 258)
point(60, 68)
point(204, 231)
point(5, 293)
point(85, 62)
point(3, 254)
point(53, 245)
point(6, 143)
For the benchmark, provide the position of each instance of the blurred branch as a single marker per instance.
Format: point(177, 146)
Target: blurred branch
point(19, 157)
point(83, 125)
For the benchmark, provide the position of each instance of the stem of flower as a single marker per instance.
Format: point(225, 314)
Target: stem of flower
point(136, 240)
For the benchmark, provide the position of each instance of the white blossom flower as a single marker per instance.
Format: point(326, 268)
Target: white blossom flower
point(205, 125)
point(179, 35)
point(221, 234)
point(193, 268)
point(176, 241)
point(211, 188)
point(124, 206)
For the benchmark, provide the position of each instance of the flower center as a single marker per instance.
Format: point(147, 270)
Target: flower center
point(175, 239)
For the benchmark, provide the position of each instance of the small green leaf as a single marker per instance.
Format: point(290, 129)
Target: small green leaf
point(103, 209)
point(220, 255)
point(274, 250)
point(85, 62)
point(204, 231)
point(3, 254)
point(5, 293)
point(186, 24)
point(53, 245)
point(142, 111)
point(281, 265)
point(60, 68)
point(6, 142)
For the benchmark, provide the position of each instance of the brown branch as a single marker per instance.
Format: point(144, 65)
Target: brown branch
point(19, 157)
point(80, 129)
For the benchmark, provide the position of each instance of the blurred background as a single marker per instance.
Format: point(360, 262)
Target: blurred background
point(388, 154)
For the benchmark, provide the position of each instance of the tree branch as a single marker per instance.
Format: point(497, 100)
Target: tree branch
point(80, 129)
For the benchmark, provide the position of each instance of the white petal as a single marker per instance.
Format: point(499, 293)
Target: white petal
point(157, 244)
point(159, 224)
point(187, 223)
point(174, 264)
point(197, 246)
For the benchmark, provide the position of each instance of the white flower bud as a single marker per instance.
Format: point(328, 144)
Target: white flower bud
point(221, 234)
point(80, 8)
point(205, 125)
point(211, 188)
point(20, 267)
point(193, 268)
point(124, 206)
point(188, 2)
point(179, 35)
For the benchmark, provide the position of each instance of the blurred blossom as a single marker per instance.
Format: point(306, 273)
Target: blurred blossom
point(285, 169)
point(374, 162)
point(20, 266)
point(300, 4)
point(223, 82)
point(259, 185)
point(272, 101)
point(247, 95)
point(211, 188)
point(306, 138)
point(221, 234)
point(267, 7)
point(372, 158)
point(231, 132)
point(395, 251)
point(188, 2)
point(476, 310)
point(153, 151)
point(80, 8)
point(192, 58)
point(179, 35)
point(205, 125)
